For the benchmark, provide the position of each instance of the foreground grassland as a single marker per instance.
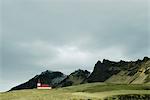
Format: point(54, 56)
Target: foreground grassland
point(93, 91)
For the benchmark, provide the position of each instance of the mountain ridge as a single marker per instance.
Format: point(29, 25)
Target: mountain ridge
point(103, 71)
point(122, 72)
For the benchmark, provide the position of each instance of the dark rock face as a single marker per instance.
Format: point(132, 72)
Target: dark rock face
point(146, 59)
point(106, 69)
point(75, 78)
point(47, 77)
point(103, 71)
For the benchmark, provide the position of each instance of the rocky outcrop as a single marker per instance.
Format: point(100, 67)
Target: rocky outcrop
point(103, 70)
point(132, 72)
point(75, 78)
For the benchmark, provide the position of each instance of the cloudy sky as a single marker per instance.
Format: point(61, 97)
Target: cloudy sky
point(65, 35)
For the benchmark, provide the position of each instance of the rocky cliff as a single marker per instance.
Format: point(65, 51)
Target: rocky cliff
point(75, 78)
point(132, 72)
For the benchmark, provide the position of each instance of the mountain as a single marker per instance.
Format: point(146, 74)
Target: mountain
point(122, 72)
point(75, 78)
point(55, 79)
point(132, 72)
point(46, 77)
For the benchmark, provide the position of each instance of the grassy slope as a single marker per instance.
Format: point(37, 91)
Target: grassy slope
point(93, 91)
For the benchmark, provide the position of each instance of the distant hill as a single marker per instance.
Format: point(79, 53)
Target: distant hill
point(46, 77)
point(75, 78)
point(55, 79)
point(132, 72)
point(122, 72)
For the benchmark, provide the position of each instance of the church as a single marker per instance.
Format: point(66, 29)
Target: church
point(43, 86)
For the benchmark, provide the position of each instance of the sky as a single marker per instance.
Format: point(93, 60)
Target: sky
point(65, 35)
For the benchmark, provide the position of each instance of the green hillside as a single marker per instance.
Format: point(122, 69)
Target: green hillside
point(90, 91)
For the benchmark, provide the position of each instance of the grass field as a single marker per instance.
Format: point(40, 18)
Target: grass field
point(91, 91)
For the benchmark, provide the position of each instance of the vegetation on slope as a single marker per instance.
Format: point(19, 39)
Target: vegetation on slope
point(123, 72)
point(90, 91)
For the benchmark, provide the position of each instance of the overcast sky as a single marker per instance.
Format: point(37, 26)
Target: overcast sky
point(64, 35)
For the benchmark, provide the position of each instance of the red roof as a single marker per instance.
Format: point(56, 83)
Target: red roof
point(44, 85)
